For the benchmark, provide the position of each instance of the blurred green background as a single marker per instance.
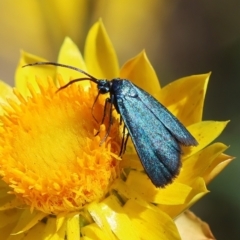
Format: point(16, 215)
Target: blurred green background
point(180, 37)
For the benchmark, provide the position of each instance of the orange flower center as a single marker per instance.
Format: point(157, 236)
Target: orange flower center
point(48, 153)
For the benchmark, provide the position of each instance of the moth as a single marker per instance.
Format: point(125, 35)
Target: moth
point(156, 133)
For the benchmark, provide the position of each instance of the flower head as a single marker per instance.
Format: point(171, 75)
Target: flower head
point(60, 167)
point(56, 177)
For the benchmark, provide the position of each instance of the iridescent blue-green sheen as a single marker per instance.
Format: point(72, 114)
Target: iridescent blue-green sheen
point(155, 132)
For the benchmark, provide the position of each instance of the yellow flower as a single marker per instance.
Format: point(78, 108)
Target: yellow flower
point(58, 182)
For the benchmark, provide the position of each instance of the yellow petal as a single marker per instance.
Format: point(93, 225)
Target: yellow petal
point(132, 29)
point(91, 238)
point(10, 216)
point(98, 216)
point(27, 221)
point(99, 54)
point(92, 231)
point(60, 220)
point(6, 231)
point(172, 194)
point(197, 164)
point(155, 224)
point(29, 74)
point(140, 71)
point(191, 227)
point(198, 190)
point(204, 132)
point(216, 167)
point(35, 232)
point(73, 227)
point(50, 232)
point(185, 98)
point(70, 55)
point(117, 219)
point(9, 202)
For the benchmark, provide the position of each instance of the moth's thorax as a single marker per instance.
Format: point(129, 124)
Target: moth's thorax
point(122, 87)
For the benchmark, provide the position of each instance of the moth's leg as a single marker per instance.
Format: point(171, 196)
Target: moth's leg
point(124, 140)
point(108, 101)
point(121, 121)
point(125, 144)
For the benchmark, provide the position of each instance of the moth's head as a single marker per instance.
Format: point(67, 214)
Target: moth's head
point(104, 86)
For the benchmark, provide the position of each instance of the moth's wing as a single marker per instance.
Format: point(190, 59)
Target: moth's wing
point(161, 113)
point(157, 147)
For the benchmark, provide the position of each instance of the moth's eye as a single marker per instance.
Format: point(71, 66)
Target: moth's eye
point(104, 89)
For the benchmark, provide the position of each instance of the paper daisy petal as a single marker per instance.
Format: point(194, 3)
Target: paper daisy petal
point(120, 223)
point(140, 71)
point(198, 189)
point(73, 230)
point(70, 55)
point(151, 223)
point(99, 54)
point(185, 98)
point(172, 194)
point(93, 231)
point(27, 221)
point(36, 233)
point(100, 219)
point(50, 232)
point(204, 132)
point(117, 219)
point(29, 74)
point(10, 217)
point(197, 164)
point(217, 166)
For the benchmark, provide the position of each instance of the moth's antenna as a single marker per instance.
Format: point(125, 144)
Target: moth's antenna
point(73, 81)
point(91, 78)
